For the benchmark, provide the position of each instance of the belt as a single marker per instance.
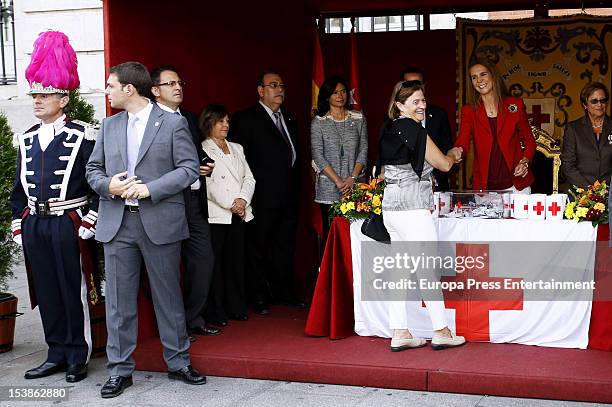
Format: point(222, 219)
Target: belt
point(132, 208)
point(55, 208)
point(390, 181)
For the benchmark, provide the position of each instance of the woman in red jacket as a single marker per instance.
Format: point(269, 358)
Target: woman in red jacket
point(503, 143)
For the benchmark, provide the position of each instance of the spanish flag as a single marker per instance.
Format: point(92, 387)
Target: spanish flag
point(318, 77)
point(355, 97)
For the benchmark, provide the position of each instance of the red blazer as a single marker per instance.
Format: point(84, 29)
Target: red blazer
point(512, 128)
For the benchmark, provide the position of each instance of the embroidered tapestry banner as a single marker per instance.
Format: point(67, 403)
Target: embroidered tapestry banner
point(544, 61)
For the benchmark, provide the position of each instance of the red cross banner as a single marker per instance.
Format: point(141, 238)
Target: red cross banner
point(499, 307)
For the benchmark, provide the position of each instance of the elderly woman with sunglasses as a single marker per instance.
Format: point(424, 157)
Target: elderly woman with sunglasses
point(586, 154)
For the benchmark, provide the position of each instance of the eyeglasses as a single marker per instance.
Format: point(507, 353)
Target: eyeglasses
point(172, 84)
point(595, 101)
point(275, 85)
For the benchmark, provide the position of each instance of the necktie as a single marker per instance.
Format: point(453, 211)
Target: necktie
point(281, 128)
point(132, 151)
point(132, 145)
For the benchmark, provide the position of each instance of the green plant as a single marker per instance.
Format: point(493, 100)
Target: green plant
point(80, 109)
point(8, 158)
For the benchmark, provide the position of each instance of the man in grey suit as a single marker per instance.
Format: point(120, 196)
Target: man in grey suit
point(142, 161)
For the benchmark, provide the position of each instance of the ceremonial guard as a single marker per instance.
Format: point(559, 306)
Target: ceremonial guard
point(55, 211)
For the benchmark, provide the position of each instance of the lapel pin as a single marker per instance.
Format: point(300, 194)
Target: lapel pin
point(156, 124)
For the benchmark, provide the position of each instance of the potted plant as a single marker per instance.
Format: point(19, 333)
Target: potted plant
point(8, 249)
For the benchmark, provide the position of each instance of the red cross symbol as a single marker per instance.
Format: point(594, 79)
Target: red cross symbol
point(512, 205)
point(472, 306)
point(536, 117)
point(554, 208)
point(539, 208)
point(526, 207)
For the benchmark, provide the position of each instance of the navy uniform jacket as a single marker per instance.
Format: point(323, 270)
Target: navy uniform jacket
point(58, 173)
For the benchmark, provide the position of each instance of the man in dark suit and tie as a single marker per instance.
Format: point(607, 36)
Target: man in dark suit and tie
point(196, 252)
point(437, 125)
point(268, 134)
point(142, 161)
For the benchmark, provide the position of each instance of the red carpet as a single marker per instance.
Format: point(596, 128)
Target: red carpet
point(275, 347)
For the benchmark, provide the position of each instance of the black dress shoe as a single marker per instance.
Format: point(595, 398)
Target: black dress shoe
point(292, 302)
point(239, 317)
point(115, 385)
point(214, 322)
point(76, 373)
point(205, 331)
point(261, 308)
point(188, 375)
point(46, 369)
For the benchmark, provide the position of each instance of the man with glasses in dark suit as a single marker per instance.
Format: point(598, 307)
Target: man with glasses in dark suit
point(268, 134)
point(196, 251)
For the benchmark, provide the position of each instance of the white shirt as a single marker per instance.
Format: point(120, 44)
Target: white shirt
point(196, 185)
point(271, 113)
point(139, 126)
point(141, 123)
point(46, 132)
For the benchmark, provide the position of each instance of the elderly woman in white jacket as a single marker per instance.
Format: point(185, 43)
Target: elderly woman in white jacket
point(230, 188)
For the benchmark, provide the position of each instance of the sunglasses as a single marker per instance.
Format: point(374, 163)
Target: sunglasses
point(595, 101)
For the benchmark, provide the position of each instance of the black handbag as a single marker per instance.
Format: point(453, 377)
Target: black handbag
point(374, 228)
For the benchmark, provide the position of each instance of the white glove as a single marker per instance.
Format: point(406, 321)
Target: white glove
point(17, 239)
point(85, 233)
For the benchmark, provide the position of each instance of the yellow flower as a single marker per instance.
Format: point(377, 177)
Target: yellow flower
point(343, 208)
point(377, 211)
point(599, 206)
point(376, 200)
point(569, 210)
point(350, 205)
point(580, 190)
point(581, 212)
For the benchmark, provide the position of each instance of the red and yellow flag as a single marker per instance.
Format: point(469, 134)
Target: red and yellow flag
point(318, 77)
point(355, 100)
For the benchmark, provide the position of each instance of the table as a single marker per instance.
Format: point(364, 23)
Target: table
point(334, 309)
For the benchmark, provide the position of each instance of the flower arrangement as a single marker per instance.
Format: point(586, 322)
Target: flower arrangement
point(365, 198)
point(589, 204)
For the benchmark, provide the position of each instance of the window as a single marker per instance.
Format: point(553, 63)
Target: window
point(375, 24)
point(7, 43)
point(449, 21)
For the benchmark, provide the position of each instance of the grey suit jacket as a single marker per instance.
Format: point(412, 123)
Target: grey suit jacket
point(167, 163)
point(583, 160)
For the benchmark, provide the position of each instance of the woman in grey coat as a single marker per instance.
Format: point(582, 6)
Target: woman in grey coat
point(339, 142)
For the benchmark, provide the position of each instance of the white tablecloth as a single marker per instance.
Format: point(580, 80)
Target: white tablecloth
point(546, 323)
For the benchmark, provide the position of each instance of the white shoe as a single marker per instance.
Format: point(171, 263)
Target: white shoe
point(439, 342)
point(399, 344)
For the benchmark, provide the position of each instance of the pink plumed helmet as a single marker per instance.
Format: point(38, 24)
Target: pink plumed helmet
point(53, 68)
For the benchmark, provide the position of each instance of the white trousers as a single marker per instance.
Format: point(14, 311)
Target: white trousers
point(406, 226)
